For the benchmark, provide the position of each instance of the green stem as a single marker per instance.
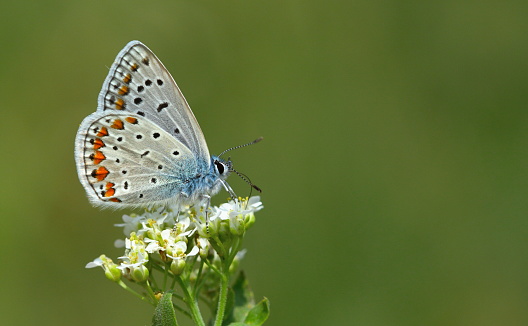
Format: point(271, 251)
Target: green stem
point(150, 291)
point(200, 270)
point(124, 286)
point(165, 275)
point(223, 251)
point(191, 302)
point(183, 311)
point(177, 296)
point(222, 299)
point(224, 280)
point(199, 280)
point(173, 283)
point(237, 243)
point(213, 267)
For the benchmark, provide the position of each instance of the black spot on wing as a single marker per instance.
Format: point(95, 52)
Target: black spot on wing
point(162, 106)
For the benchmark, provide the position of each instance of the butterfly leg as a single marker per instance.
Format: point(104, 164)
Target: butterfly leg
point(207, 200)
point(228, 188)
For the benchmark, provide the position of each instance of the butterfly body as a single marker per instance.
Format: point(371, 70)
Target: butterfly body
point(143, 145)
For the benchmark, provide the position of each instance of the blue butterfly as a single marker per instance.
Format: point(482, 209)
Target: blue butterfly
point(143, 145)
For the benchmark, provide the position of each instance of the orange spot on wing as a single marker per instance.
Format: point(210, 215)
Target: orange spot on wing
point(127, 79)
point(100, 173)
point(119, 104)
point(102, 132)
point(123, 90)
point(98, 143)
point(110, 192)
point(118, 124)
point(97, 157)
point(131, 120)
point(134, 67)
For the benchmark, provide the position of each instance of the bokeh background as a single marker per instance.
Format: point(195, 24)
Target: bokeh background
point(394, 165)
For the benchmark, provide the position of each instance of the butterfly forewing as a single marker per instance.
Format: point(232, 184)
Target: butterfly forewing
point(123, 159)
point(139, 83)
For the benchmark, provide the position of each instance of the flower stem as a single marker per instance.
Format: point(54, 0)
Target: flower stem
point(223, 251)
point(150, 291)
point(237, 244)
point(183, 311)
point(191, 302)
point(213, 267)
point(124, 286)
point(222, 298)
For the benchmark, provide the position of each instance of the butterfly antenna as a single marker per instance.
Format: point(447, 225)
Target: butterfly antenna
point(240, 146)
point(246, 179)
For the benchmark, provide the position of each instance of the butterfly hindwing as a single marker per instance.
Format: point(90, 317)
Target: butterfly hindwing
point(124, 159)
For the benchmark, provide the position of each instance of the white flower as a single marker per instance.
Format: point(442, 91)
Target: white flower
point(169, 233)
point(160, 242)
point(165, 239)
point(183, 227)
point(255, 204)
point(177, 250)
point(162, 216)
point(131, 223)
point(135, 254)
point(95, 263)
point(111, 270)
point(239, 207)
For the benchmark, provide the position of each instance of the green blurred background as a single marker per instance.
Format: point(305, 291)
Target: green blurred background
point(394, 166)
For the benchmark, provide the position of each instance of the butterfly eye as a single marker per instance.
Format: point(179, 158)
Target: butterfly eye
point(219, 167)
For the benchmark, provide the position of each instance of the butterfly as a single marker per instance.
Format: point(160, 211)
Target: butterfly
point(143, 145)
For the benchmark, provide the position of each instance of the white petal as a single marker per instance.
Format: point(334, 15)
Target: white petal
point(194, 251)
point(153, 247)
point(96, 263)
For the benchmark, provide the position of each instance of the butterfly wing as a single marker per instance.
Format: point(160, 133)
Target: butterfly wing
point(124, 159)
point(139, 83)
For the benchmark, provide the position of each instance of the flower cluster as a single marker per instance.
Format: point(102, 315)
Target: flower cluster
point(195, 247)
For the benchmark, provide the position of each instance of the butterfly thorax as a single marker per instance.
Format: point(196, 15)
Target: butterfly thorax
point(207, 181)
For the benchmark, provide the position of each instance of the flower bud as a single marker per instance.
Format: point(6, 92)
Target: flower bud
point(203, 245)
point(109, 267)
point(140, 274)
point(236, 226)
point(112, 272)
point(208, 229)
point(204, 253)
point(249, 220)
point(177, 266)
point(224, 228)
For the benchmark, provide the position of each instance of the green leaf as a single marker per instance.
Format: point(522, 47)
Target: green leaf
point(259, 313)
point(242, 310)
point(164, 314)
point(244, 299)
point(239, 301)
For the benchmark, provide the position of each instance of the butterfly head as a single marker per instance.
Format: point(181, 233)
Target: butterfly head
point(221, 167)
